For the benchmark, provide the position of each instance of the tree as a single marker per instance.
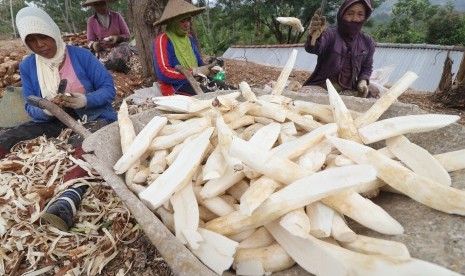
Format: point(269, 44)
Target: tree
point(68, 14)
point(446, 27)
point(7, 16)
point(408, 23)
point(254, 21)
point(142, 14)
point(451, 93)
point(12, 18)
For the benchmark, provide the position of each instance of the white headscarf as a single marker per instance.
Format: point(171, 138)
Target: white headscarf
point(32, 20)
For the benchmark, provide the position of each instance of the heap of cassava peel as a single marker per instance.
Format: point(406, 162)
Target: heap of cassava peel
point(267, 182)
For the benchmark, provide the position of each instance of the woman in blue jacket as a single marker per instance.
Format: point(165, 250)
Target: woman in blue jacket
point(90, 90)
point(88, 96)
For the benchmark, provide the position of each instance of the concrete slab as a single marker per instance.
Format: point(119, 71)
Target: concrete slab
point(429, 235)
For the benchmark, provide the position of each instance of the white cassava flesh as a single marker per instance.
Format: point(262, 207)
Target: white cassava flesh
point(179, 173)
point(291, 21)
point(127, 136)
point(322, 258)
point(340, 231)
point(452, 161)
point(268, 112)
point(264, 138)
point(266, 163)
point(303, 251)
point(215, 251)
point(167, 217)
point(260, 238)
point(237, 112)
point(225, 136)
point(299, 146)
point(158, 162)
point(238, 189)
point(391, 127)
point(218, 206)
point(226, 102)
point(303, 122)
point(277, 99)
point(417, 187)
point(261, 261)
point(215, 165)
point(386, 100)
point(284, 168)
point(418, 159)
point(247, 92)
point(173, 128)
point(365, 212)
point(140, 144)
point(257, 193)
point(322, 112)
point(296, 222)
point(321, 219)
point(298, 194)
point(186, 215)
point(180, 103)
point(342, 116)
point(217, 186)
point(315, 156)
point(374, 246)
point(284, 76)
point(168, 141)
point(239, 237)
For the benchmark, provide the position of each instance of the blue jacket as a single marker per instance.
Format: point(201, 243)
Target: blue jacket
point(98, 83)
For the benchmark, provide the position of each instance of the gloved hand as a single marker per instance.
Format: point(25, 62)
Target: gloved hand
point(204, 70)
point(317, 26)
point(96, 46)
point(362, 88)
point(76, 100)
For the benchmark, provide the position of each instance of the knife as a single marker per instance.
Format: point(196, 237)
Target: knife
point(62, 86)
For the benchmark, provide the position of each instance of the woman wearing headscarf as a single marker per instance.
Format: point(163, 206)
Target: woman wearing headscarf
point(345, 54)
point(88, 95)
point(107, 35)
point(176, 46)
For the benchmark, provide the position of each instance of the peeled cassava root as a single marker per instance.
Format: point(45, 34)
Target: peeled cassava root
point(260, 194)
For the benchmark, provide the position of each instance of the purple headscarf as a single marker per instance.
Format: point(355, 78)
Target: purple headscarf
point(350, 30)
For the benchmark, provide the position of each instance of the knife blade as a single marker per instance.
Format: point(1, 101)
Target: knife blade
point(62, 86)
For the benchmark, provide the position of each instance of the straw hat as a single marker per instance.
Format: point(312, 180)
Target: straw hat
point(90, 2)
point(175, 8)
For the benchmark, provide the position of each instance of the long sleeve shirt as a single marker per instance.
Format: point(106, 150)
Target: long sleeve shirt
point(97, 32)
point(165, 60)
point(331, 48)
point(98, 83)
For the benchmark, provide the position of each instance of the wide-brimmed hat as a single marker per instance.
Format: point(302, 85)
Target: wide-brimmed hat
point(90, 2)
point(175, 8)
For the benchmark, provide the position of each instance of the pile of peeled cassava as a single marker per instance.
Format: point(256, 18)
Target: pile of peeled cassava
point(266, 182)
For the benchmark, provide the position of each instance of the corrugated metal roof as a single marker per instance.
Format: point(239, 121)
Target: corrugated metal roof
point(425, 60)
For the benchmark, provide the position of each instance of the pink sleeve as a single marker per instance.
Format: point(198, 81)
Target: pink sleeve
point(123, 27)
point(91, 36)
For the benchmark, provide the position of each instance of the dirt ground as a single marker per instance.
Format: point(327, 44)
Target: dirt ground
point(140, 257)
